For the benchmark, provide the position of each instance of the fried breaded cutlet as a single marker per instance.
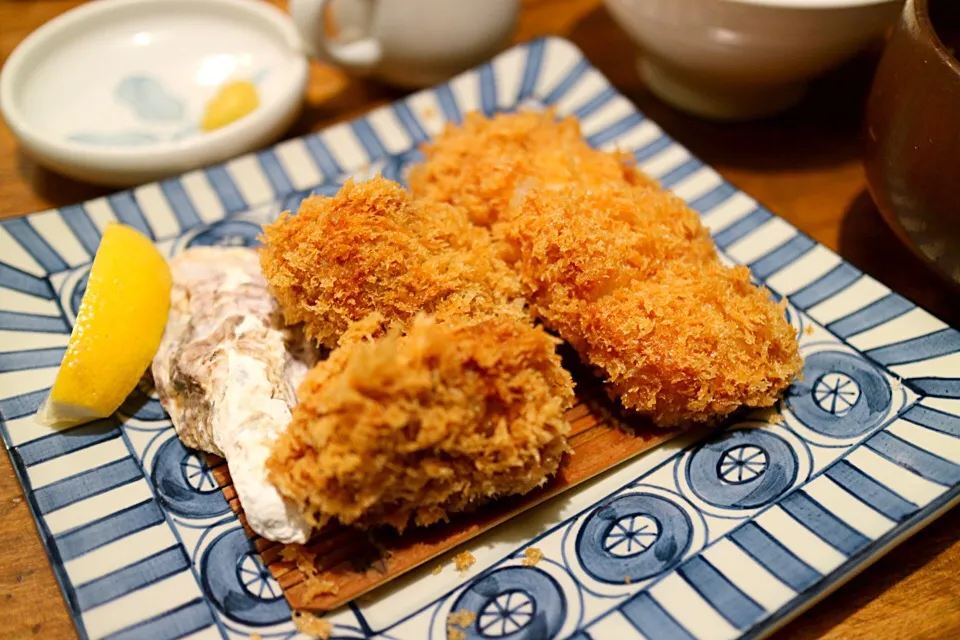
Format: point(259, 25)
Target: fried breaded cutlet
point(631, 280)
point(420, 423)
point(371, 248)
point(480, 165)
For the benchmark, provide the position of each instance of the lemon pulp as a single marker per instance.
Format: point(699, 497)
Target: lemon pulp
point(117, 332)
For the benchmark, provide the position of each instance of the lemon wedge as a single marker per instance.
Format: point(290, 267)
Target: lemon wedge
point(232, 102)
point(117, 332)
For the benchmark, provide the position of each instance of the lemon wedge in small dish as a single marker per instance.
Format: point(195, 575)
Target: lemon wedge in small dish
point(117, 332)
point(232, 102)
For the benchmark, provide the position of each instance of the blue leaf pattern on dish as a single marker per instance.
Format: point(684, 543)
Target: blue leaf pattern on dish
point(260, 76)
point(149, 100)
point(123, 138)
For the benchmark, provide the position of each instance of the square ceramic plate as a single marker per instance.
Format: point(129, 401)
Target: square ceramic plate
point(725, 536)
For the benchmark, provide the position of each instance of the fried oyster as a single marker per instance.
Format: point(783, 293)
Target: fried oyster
point(415, 425)
point(371, 248)
point(630, 279)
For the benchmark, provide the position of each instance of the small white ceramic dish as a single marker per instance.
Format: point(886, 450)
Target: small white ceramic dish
point(113, 92)
point(742, 59)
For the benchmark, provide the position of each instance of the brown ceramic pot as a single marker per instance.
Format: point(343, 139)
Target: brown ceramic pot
point(912, 136)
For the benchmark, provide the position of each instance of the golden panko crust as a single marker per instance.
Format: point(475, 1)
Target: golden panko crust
point(412, 426)
point(371, 249)
point(630, 278)
point(481, 164)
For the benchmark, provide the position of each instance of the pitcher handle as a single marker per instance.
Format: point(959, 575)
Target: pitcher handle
point(359, 56)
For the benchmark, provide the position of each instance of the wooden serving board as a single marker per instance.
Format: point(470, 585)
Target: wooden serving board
point(346, 563)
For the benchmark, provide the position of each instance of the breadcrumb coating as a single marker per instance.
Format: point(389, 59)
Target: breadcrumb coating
point(589, 243)
point(370, 248)
point(480, 165)
point(411, 426)
point(631, 280)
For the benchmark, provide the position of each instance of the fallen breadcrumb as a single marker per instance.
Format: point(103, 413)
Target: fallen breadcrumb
point(463, 618)
point(255, 636)
point(410, 427)
point(630, 279)
point(305, 559)
point(627, 580)
point(481, 164)
point(533, 556)
point(464, 560)
point(312, 625)
point(457, 622)
point(316, 586)
point(370, 248)
point(436, 570)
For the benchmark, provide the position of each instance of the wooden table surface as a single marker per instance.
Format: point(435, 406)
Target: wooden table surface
point(804, 165)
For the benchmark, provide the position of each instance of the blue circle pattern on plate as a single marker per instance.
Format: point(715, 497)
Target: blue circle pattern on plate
point(76, 296)
point(742, 469)
point(229, 233)
point(256, 578)
point(842, 395)
point(635, 536)
point(238, 584)
point(184, 482)
point(514, 603)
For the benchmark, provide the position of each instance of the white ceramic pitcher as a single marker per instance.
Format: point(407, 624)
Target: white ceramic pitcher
point(412, 43)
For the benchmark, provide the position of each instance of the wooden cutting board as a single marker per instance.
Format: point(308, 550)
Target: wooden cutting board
point(339, 564)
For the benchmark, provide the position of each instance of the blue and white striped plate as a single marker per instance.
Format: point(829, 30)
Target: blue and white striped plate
point(723, 537)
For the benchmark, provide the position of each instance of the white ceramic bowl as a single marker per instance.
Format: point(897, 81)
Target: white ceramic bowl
point(740, 59)
point(113, 92)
